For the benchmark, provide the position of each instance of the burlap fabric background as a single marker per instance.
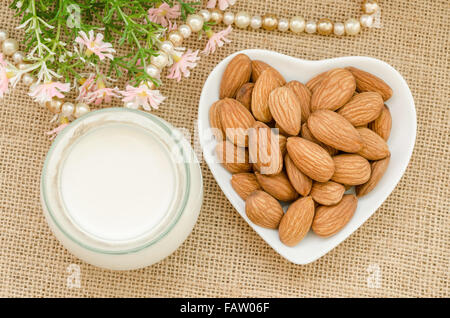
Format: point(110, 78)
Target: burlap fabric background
point(407, 239)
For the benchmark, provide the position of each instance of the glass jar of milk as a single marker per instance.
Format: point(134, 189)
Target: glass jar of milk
point(121, 189)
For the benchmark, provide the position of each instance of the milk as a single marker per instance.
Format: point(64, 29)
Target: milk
point(117, 182)
point(119, 189)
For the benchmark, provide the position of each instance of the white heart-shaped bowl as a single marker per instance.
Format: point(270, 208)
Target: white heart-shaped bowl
point(401, 143)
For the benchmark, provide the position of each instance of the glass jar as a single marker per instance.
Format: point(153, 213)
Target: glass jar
point(121, 189)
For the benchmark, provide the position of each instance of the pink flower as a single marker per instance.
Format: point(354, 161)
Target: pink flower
point(86, 88)
point(103, 94)
point(95, 45)
point(172, 27)
point(4, 80)
point(163, 13)
point(142, 96)
point(182, 66)
point(42, 93)
point(216, 40)
point(53, 133)
point(223, 4)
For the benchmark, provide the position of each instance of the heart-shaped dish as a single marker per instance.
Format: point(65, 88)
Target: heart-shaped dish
point(401, 143)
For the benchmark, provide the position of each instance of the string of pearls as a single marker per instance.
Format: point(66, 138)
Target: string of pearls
point(298, 24)
point(167, 53)
point(194, 23)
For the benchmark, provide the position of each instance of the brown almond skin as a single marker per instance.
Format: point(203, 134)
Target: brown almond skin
point(257, 68)
point(301, 182)
point(244, 94)
point(310, 158)
point(327, 193)
point(329, 220)
point(366, 82)
point(306, 133)
point(383, 124)
point(235, 120)
point(297, 221)
point(263, 209)
point(266, 83)
point(277, 185)
point(378, 169)
point(285, 108)
point(234, 159)
point(304, 97)
point(236, 74)
point(244, 184)
point(314, 82)
point(264, 149)
point(282, 140)
point(375, 148)
point(351, 169)
point(362, 108)
point(281, 131)
point(334, 130)
point(334, 91)
point(214, 120)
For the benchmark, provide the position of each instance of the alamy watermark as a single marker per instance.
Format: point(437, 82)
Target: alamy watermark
point(374, 276)
point(74, 276)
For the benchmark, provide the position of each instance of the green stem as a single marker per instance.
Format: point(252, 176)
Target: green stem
point(125, 20)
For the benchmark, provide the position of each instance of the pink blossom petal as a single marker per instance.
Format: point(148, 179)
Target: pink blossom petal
point(211, 4)
point(53, 133)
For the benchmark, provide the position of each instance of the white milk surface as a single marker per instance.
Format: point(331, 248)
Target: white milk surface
point(117, 182)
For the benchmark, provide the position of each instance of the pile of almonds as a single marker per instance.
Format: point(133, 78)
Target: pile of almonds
point(331, 135)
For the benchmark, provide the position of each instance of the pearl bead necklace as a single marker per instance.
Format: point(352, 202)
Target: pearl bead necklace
point(194, 23)
point(298, 24)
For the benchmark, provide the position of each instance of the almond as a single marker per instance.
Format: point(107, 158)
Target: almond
point(266, 83)
point(351, 169)
point(327, 193)
point(336, 89)
point(235, 120)
point(362, 108)
point(375, 148)
point(310, 158)
point(244, 95)
point(304, 97)
point(382, 125)
point(277, 185)
point(264, 149)
point(281, 131)
point(301, 182)
point(366, 82)
point(331, 219)
point(378, 169)
point(263, 209)
point(257, 68)
point(244, 184)
point(334, 130)
point(285, 109)
point(314, 82)
point(234, 159)
point(306, 133)
point(282, 142)
point(214, 121)
point(236, 74)
point(297, 221)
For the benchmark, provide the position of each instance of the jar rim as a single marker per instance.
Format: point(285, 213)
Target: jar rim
point(169, 129)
